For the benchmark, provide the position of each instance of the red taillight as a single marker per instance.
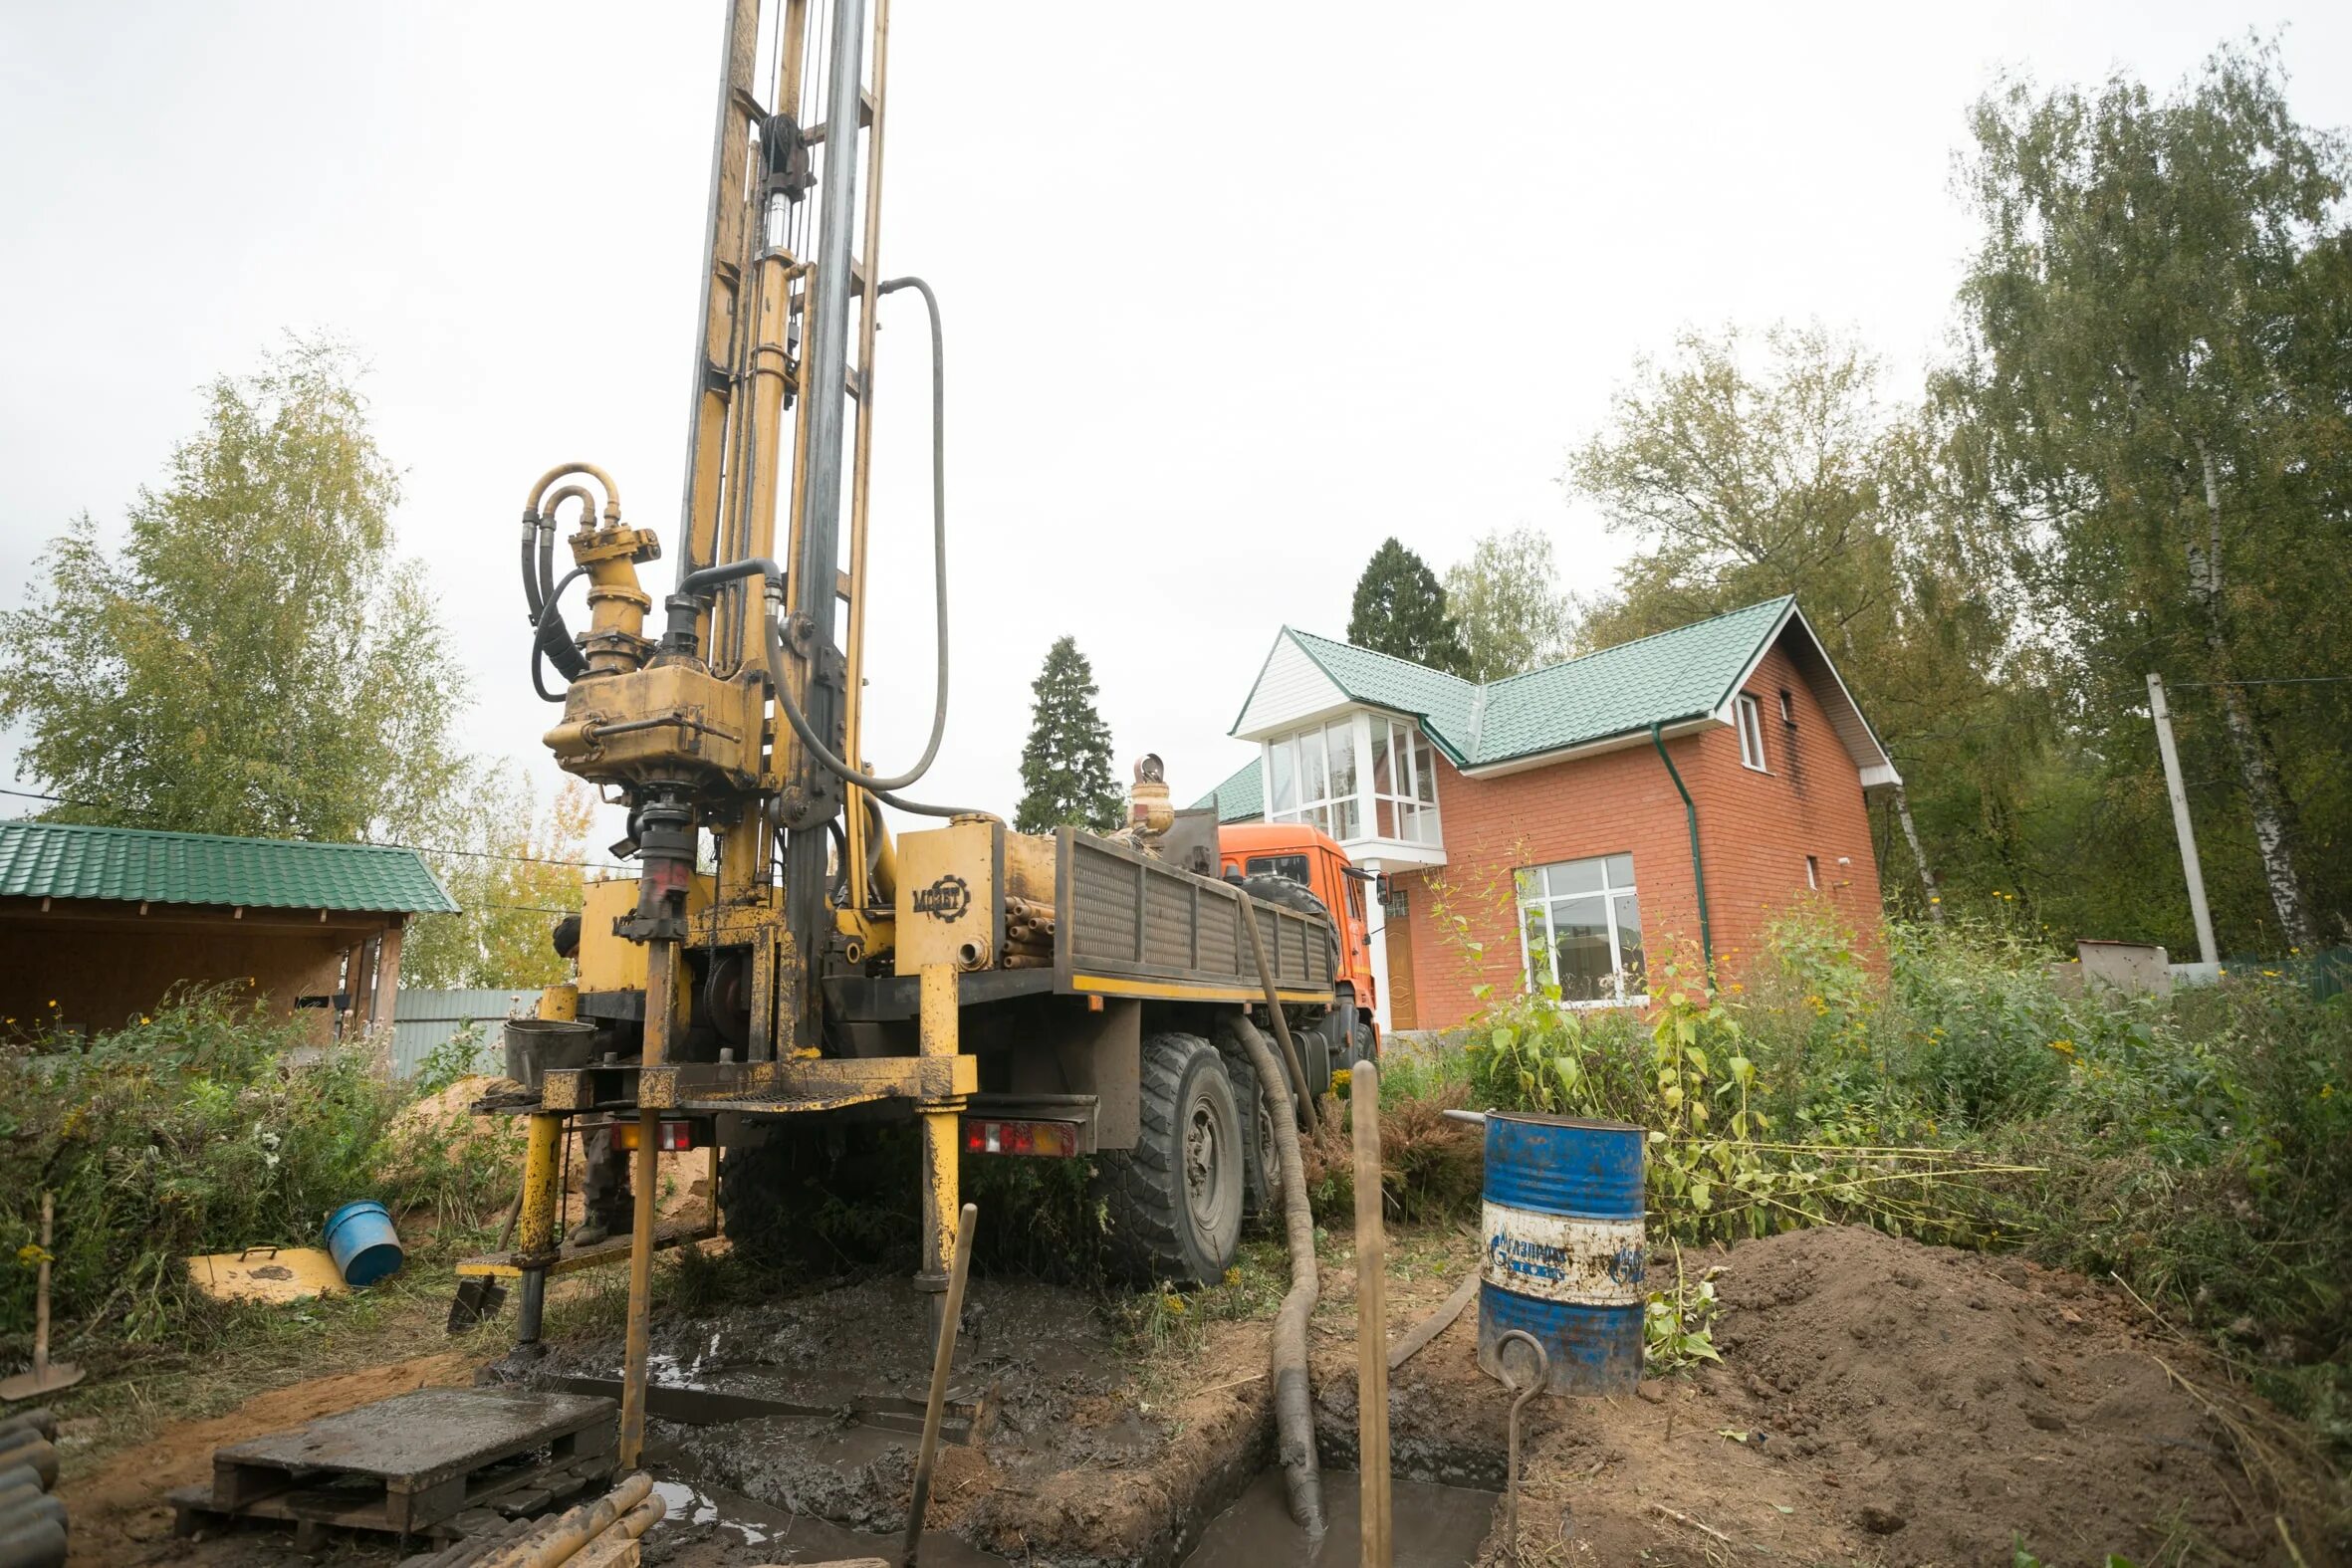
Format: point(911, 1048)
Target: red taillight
point(672, 1137)
point(1053, 1140)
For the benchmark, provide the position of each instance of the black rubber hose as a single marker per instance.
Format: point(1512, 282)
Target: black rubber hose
point(547, 622)
point(531, 594)
point(791, 712)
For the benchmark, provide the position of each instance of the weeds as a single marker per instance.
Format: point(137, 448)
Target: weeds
point(1677, 1324)
point(2198, 1145)
point(204, 1127)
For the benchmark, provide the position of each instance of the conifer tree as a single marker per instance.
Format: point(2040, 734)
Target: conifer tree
point(1400, 609)
point(1065, 775)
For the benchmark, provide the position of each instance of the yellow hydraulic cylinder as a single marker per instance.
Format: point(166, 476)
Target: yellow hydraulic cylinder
point(661, 975)
point(941, 1190)
point(535, 1225)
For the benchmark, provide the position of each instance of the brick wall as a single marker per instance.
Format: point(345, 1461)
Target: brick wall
point(1756, 830)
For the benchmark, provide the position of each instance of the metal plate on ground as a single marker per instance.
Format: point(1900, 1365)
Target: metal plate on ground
point(422, 1436)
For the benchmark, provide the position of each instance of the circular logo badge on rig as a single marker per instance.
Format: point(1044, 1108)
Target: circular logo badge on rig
point(946, 899)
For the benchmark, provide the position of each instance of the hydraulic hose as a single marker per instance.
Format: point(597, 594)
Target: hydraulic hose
point(839, 767)
point(1293, 1400)
point(548, 619)
point(553, 640)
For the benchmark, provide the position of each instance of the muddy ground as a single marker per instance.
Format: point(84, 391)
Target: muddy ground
point(1880, 1402)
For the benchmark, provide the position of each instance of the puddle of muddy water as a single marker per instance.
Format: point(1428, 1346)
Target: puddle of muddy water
point(707, 1527)
point(1432, 1526)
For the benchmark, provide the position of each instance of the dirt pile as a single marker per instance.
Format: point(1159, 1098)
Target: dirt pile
point(1884, 1402)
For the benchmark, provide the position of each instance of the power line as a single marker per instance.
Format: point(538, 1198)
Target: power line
point(422, 849)
point(2282, 680)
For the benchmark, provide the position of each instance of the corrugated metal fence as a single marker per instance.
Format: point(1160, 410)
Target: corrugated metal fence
point(426, 1019)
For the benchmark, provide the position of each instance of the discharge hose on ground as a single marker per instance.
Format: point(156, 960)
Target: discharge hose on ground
point(1293, 1400)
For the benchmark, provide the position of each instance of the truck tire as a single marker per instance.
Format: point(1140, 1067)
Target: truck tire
point(1262, 1166)
point(1173, 1205)
point(1268, 888)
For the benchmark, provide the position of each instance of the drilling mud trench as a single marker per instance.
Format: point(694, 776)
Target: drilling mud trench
point(1879, 1403)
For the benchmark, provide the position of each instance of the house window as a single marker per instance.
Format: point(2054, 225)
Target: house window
point(1365, 775)
point(1313, 779)
point(1788, 708)
point(1751, 719)
point(1579, 927)
point(1404, 783)
point(1812, 872)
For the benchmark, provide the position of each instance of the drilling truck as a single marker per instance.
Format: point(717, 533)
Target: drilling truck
point(783, 966)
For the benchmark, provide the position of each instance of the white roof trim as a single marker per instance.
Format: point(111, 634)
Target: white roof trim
point(1870, 758)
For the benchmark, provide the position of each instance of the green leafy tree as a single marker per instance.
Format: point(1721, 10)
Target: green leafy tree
point(1507, 603)
point(515, 866)
point(2151, 393)
point(1745, 475)
point(1065, 776)
point(255, 659)
point(1400, 609)
point(1749, 470)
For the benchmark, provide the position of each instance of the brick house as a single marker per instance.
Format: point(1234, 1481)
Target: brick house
point(1586, 817)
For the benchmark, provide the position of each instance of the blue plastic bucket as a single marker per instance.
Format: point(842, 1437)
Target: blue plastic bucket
point(1564, 1249)
point(362, 1242)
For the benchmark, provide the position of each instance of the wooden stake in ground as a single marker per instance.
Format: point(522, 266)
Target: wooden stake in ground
point(44, 1378)
point(942, 1360)
point(1371, 1319)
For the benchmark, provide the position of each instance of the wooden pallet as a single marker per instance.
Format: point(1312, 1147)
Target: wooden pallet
point(412, 1465)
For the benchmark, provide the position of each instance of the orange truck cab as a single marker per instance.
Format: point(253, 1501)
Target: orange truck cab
point(1301, 853)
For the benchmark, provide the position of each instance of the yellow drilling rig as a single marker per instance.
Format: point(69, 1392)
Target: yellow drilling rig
point(780, 968)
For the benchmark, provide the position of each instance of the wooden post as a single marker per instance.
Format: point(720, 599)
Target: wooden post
point(1371, 1318)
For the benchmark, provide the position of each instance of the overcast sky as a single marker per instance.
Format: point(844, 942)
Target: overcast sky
point(1232, 292)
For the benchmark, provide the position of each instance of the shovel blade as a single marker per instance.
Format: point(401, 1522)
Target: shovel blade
point(48, 1380)
point(478, 1299)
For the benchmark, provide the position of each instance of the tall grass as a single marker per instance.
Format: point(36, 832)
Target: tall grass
point(207, 1126)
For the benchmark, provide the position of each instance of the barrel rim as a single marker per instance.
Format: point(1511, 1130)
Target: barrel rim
point(1541, 1119)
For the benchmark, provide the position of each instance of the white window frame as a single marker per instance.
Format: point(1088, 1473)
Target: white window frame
point(1314, 800)
point(1301, 782)
point(1748, 717)
point(1813, 872)
point(1788, 708)
point(1413, 807)
point(1609, 893)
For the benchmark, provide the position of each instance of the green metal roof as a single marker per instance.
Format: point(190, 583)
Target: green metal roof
point(1241, 798)
point(1677, 675)
point(129, 864)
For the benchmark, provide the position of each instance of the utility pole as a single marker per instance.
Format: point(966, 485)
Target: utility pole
point(2181, 826)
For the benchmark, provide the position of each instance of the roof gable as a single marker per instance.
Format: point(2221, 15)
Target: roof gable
point(125, 864)
point(1290, 688)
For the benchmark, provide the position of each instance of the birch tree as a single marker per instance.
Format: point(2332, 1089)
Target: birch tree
point(2137, 377)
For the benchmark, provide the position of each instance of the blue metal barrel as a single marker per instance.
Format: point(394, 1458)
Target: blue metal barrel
point(1564, 1249)
point(364, 1245)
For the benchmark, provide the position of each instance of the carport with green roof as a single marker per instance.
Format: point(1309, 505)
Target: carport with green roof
point(98, 925)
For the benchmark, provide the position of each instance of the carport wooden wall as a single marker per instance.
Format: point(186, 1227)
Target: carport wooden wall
point(95, 973)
